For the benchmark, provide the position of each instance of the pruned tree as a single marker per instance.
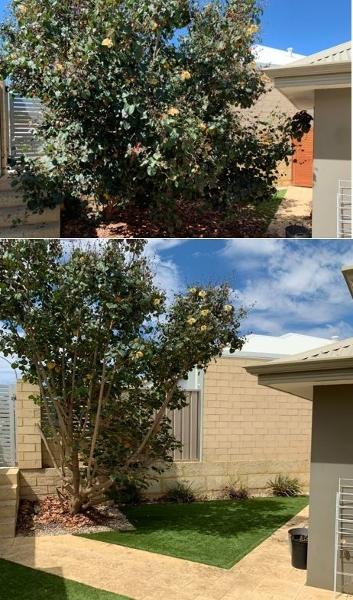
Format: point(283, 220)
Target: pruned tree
point(91, 329)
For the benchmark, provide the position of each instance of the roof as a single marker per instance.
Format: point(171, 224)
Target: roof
point(328, 69)
point(270, 346)
point(337, 54)
point(299, 374)
point(266, 56)
point(335, 350)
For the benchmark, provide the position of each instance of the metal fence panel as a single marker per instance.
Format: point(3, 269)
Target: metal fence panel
point(186, 427)
point(25, 115)
point(7, 426)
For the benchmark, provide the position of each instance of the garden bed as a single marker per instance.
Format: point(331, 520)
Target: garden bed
point(49, 516)
point(191, 221)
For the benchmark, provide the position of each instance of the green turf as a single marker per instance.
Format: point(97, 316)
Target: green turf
point(22, 583)
point(267, 210)
point(215, 533)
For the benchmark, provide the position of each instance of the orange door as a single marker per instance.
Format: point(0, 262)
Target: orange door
point(302, 166)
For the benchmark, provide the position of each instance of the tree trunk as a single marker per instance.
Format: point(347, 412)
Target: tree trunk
point(76, 500)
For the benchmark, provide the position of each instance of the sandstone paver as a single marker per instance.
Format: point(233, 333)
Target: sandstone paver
point(295, 209)
point(264, 574)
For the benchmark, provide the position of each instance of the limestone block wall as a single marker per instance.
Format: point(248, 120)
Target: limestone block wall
point(249, 433)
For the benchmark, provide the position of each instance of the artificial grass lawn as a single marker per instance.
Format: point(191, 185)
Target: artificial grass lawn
point(215, 533)
point(22, 583)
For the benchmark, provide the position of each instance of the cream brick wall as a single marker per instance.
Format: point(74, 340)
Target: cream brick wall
point(250, 433)
point(28, 440)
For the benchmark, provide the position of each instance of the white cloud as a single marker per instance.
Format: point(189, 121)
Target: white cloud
point(294, 286)
point(167, 275)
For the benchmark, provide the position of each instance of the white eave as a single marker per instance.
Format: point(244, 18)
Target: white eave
point(329, 69)
point(299, 374)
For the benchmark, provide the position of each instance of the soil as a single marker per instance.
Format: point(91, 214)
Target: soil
point(48, 516)
point(191, 221)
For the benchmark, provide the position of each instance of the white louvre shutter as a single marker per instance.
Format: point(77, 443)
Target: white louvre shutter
point(7, 426)
point(344, 210)
point(25, 115)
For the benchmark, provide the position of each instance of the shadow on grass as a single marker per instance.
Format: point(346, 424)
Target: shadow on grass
point(218, 533)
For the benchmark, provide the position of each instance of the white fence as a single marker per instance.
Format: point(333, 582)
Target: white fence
point(25, 115)
point(344, 209)
point(7, 426)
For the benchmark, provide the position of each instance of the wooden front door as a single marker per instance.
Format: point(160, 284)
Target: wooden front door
point(303, 159)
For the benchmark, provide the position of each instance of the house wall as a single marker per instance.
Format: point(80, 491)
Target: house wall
point(332, 156)
point(331, 458)
point(249, 432)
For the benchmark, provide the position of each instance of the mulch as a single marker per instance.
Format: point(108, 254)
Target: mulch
point(49, 516)
point(191, 221)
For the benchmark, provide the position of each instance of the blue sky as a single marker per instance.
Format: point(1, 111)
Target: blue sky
point(305, 25)
point(289, 286)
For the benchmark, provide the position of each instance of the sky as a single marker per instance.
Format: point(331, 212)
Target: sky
point(288, 286)
point(307, 26)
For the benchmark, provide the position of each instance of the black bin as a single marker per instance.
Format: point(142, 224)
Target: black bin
point(298, 541)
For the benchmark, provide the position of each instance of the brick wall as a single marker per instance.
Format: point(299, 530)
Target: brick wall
point(250, 433)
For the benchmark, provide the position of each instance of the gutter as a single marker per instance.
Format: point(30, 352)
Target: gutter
point(309, 70)
point(282, 368)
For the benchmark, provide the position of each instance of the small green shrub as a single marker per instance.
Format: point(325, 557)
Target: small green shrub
point(235, 490)
point(283, 485)
point(181, 492)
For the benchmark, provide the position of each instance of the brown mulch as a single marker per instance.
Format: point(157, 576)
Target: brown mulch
point(48, 516)
point(192, 221)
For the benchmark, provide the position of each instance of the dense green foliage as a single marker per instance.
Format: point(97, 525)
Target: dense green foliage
point(216, 533)
point(89, 326)
point(132, 115)
point(19, 582)
point(284, 485)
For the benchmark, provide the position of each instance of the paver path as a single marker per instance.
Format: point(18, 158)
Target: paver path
point(295, 209)
point(264, 574)
point(27, 224)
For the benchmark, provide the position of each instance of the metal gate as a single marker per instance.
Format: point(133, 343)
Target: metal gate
point(7, 426)
point(25, 115)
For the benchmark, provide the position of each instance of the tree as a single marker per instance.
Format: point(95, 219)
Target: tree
point(136, 112)
point(91, 329)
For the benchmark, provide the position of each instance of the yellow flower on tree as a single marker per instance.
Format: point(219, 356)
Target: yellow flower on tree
point(59, 67)
point(173, 112)
point(191, 321)
point(22, 9)
point(138, 354)
point(228, 308)
point(51, 365)
point(108, 42)
point(203, 327)
point(154, 25)
point(205, 312)
point(192, 290)
point(157, 301)
point(202, 126)
point(185, 75)
point(253, 29)
point(202, 294)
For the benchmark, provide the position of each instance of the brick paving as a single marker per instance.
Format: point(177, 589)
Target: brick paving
point(264, 574)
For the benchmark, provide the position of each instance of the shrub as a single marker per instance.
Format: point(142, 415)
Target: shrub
point(236, 491)
point(283, 485)
point(130, 116)
point(181, 493)
point(130, 493)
